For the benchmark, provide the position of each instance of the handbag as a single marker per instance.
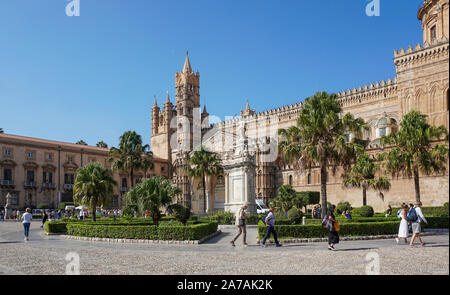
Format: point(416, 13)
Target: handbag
point(337, 226)
point(241, 222)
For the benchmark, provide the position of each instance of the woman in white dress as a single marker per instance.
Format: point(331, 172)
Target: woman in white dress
point(403, 229)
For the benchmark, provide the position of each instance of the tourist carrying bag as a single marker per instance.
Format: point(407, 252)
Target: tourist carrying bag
point(241, 222)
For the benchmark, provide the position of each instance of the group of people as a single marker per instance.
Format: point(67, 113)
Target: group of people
point(241, 223)
point(411, 217)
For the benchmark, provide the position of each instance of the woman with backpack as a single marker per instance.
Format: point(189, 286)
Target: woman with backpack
point(333, 236)
point(403, 228)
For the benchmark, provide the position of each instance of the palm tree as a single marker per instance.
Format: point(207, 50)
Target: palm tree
point(147, 162)
point(102, 144)
point(203, 163)
point(152, 194)
point(82, 142)
point(363, 175)
point(128, 156)
point(320, 139)
point(94, 186)
point(287, 198)
point(415, 149)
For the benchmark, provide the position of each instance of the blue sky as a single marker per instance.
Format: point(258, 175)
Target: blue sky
point(94, 76)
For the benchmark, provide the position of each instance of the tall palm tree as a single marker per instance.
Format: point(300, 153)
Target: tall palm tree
point(363, 175)
point(287, 198)
point(94, 186)
point(415, 149)
point(147, 162)
point(128, 156)
point(320, 138)
point(152, 194)
point(203, 163)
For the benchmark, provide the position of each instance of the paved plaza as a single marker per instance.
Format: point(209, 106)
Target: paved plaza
point(46, 255)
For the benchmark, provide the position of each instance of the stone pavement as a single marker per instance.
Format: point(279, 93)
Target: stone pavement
point(46, 255)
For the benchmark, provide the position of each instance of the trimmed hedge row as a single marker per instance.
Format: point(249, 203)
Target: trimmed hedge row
point(148, 232)
point(348, 228)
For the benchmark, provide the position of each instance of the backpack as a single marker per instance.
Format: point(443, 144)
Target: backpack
point(412, 215)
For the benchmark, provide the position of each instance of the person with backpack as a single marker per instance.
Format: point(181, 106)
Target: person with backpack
point(241, 220)
point(329, 222)
point(270, 228)
point(415, 215)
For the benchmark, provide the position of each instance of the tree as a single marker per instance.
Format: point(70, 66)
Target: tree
point(147, 162)
point(152, 194)
point(363, 175)
point(94, 186)
point(102, 144)
point(82, 142)
point(129, 155)
point(414, 149)
point(320, 139)
point(203, 163)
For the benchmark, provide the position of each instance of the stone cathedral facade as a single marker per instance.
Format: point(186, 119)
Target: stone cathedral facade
point(248, 143)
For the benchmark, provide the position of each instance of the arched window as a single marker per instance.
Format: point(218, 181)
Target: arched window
point(309, 178)
point(290, 179)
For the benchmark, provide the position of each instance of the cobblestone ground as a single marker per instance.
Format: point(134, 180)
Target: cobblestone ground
point(46, 255)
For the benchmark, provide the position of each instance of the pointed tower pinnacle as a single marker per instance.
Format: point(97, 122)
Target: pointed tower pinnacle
point(204, 109)
point(187, 65)
point(156, 104)
point(247, 107)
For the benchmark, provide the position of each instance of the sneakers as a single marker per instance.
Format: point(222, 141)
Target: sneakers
point(397, 240)
point(245, 245)
point(232, 243)
point(331, 248)
point(263, 246)
point(422, 245)
point(279, 245)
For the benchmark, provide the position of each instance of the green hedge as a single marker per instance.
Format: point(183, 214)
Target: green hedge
point(138, 231)
point(370, 227)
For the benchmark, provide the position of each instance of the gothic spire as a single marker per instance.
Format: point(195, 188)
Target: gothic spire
point(156, 104)
point(187, 65)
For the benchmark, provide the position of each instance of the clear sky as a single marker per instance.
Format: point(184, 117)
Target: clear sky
point(94, 76)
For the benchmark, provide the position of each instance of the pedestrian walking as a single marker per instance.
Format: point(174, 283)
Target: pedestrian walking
point(403, 228)
point(415, 215)
point(27, 217)
point(44, 218)
point(388, 211)
point(241, 223)
point(331, 224)
point(115, 214)
point(81, 214)
point(270, 228)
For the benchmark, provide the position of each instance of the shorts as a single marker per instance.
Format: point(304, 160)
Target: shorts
point(416, 228)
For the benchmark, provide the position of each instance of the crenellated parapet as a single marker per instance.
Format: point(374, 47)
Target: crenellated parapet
point(279, 112)
point(428, 53)
point(368, 93)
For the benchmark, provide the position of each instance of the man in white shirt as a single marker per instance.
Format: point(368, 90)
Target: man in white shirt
point(416, 227)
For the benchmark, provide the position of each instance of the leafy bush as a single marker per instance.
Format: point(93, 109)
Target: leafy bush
point(180, 213)
point(129, 210)
point(295, 215)
point(366, 211)
point(279, 215)
point(222, 217)
point(43, 206)
point(343, 206)
point(310, 198)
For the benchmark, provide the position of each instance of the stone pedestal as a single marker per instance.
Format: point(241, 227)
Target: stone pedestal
point(240, 176)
